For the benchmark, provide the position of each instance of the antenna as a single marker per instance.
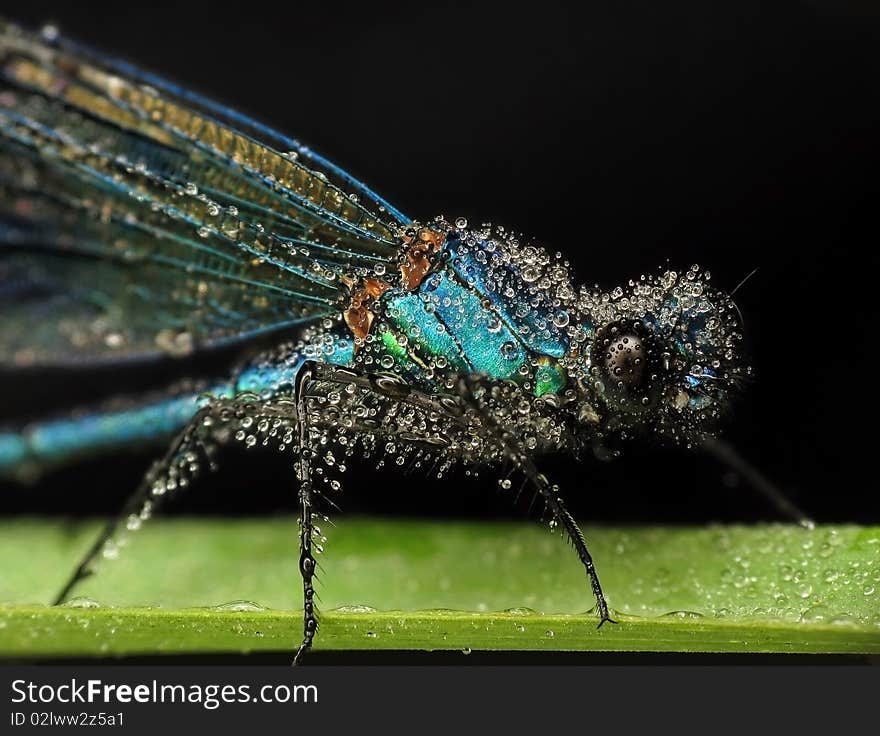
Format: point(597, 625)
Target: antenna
point(740, 284)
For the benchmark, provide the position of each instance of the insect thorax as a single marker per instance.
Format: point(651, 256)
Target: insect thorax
point(481, 304)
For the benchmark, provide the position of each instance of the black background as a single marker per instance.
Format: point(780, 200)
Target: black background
point(625, 138)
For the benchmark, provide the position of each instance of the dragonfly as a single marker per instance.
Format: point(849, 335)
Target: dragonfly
point(140, 220)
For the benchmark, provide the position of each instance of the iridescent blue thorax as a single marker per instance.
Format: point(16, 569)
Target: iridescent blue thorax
point(481, 309)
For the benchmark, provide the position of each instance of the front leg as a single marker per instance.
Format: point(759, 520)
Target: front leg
point(726, 453)
point(517, 454)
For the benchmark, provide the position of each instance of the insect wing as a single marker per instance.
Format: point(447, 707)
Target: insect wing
point(138, 219)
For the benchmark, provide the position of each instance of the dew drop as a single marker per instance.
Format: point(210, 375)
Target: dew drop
point(356, 608)
point(238, 606)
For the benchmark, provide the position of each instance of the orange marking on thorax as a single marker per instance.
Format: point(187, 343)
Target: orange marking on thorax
point(418, 256)
point(420, 248)
point(359, 317)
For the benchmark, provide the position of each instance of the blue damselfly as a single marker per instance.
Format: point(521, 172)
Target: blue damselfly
point(140, 220)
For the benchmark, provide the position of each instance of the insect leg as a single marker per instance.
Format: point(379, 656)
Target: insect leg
point(304, 378)
point(512, 447)
point(726, 454)
point(442, 422)
point(174, 471)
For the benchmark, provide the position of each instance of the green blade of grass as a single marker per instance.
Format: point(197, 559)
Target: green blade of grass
point(502, 586)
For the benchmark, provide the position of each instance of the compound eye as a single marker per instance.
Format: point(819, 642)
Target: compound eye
point(624, 358)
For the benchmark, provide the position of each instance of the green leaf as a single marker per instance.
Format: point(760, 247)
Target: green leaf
point(442, 585)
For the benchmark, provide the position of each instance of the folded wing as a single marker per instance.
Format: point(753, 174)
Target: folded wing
point(138, 219)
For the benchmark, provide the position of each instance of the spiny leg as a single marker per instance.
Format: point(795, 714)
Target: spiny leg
point(306, 558)
point(512, 447)
point(133, 507)
point(314, 381)
point(309, 376)
point(726, 454)
point(174, 470)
